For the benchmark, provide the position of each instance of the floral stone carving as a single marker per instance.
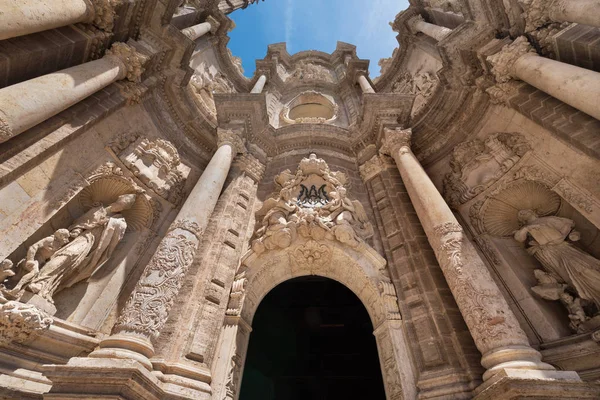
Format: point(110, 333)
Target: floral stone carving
point(207, 81)
point(477, 164)
point(422, 85)
point(157, 164)
point(313, 204)
point(20, 322)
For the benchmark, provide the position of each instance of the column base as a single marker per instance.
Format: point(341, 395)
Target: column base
point(118, 379)
point(516, 384)
point(126, 347)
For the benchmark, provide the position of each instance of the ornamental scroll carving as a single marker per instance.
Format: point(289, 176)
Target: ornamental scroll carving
point(487, 324)
point(156, 163)
point(21, 322)
point(312, 203)
point(147, 309)
point(422, 85)
point(207, 81)
point(477, 164)
point(308, 71)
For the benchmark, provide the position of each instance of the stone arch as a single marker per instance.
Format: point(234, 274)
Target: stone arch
point(361, 269)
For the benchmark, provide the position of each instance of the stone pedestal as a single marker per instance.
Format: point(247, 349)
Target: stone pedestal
point(39, 302)
point(513, 384)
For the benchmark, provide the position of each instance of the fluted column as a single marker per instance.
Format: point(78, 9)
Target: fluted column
point(22, 17)
point(259, 85)
point(364, 84)
point(418, 24)
point(28, 103)
point(578, 87)
point(491, 322)
point(147, 309)
point(196, 31)
point(541, 12)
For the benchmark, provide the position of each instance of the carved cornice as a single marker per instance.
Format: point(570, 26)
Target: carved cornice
point(251, 166)
point(127, 56)
point(232, 137)
point(395, 140)
point(503, 61)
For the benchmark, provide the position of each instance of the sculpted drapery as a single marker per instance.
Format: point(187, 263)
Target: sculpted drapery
point(546, 238)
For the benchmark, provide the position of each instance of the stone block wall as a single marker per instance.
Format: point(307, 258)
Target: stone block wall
point(443, 351)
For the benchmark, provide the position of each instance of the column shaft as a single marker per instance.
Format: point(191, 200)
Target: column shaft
point(578, 87)
point(23, 17)
point(585, 12)
point(196, 31)
point(492, 324)
point(364, 84)
point(147, 310)
point(28, 103)
point(259, 85)
point(435, 31)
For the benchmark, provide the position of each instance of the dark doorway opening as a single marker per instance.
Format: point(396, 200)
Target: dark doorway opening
point(312, 339)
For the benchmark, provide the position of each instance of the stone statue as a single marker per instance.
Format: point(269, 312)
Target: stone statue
point(546, 239)
point(6, 270)
point(94, 236)
point(37, 255)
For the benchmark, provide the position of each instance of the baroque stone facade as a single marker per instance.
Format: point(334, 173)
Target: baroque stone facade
point(148, 210)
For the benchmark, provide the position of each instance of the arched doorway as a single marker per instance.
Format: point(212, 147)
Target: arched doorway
point(312, 338)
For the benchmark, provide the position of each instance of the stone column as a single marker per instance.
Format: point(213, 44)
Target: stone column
point(23, 17)
point(578, 87)
point(259, 85)
point(196, 31)
point(491, 322)
point(148, 307)
point(541, 12)
point(417, 24)
point(28, 103)
point(364, 83)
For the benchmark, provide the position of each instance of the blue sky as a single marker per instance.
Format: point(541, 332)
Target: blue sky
point(315, 25)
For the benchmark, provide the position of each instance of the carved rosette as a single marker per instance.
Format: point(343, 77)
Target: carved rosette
point(371, 168)
point(232, 137)
point(127, 58)
point(482, 309)
point(21, 322)
point(104, 13)
point(396, 141)
point(503, 61)
point(148, 308)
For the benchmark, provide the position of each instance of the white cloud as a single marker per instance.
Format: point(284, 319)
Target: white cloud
point(289, 22)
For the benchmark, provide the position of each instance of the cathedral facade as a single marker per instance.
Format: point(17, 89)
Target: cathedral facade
point(153, 198)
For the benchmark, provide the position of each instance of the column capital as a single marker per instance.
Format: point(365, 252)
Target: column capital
point(503, 61)
point(128, 58)
point(104, 13)
point(232, 137)
point(412, 23)
point(251, 166)
point(394, 140)
point(536, 13)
